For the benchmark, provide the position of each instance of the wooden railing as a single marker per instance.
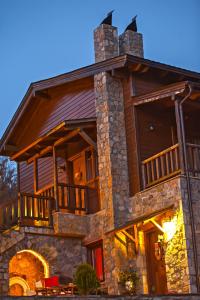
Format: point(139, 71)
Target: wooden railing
point(47, 191)
point(77, 198)
point(8, 214)
point(193, 159)
point(34, 207)
point(161, 166)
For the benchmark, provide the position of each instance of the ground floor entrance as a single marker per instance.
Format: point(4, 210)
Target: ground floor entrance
point(155, 260)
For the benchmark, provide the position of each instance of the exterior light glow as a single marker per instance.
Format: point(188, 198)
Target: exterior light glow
point(169, 228)
point(43, 261)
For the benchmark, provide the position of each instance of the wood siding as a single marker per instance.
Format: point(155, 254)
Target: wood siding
point(71, 102)
point(134, 86)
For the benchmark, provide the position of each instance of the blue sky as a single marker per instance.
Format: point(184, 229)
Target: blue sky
point(43, 38)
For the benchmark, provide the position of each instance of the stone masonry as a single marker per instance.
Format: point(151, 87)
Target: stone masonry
point(63, 255)
point(131, 42)
point(105, 42)
point(112, 151)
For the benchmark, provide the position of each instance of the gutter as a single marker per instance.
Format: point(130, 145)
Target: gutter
point(179, 111)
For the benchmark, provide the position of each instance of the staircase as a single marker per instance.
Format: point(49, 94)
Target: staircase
point(10, 238)
point(10, 232)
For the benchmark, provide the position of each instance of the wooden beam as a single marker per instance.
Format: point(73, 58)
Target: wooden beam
point(26, 149)
point(66, 138)
point(128, 235)
point(35, 164)
point(40, 154)
point(55, 178)
point(136, 238)
point(10, 148)
point(41, 95)
point(157, 225)
point(88, 139)
point(50, 148)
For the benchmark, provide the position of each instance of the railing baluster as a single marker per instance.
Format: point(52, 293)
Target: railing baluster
point(176, 158)
point(157, 169)
point(162, 166)
point(171, 160)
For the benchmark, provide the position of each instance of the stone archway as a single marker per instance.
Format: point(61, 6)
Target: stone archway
point(26, 268)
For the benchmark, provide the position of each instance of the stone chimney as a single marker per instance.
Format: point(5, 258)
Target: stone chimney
point(111, 133)
point(105, 42)
point(131, 42)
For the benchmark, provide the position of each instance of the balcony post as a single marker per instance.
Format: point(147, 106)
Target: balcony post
point(179, 135)
point(55, 178)
point(35, 162)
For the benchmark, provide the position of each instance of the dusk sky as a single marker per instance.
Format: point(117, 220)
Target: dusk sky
point(44, 38)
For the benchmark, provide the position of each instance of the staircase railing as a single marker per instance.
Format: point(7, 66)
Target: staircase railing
point(8, 214)
point(34, 207)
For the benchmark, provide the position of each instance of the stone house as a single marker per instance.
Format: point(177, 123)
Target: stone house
point(108, 172)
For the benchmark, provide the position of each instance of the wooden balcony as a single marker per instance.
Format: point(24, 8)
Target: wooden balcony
point(37, 209)
point(166, 164)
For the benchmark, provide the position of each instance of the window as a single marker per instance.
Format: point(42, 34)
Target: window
point(95, 258)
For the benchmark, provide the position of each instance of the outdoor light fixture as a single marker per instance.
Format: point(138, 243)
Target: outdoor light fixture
point(169, 228)
point(151, 127)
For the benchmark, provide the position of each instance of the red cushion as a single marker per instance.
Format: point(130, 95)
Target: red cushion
point(52, 281)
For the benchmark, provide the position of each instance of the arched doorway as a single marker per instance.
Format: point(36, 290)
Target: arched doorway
point(26, 268)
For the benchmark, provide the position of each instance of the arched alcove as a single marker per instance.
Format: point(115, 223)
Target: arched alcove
point(26, 268)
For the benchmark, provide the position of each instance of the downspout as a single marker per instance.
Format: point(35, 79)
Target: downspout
point(186, 167)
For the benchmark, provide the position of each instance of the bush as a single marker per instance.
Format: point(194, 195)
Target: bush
point(85, 279)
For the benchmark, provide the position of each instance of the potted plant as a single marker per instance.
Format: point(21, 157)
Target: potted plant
point(85, 279)
point(129, 280)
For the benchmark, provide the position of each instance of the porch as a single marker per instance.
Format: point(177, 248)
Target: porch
point(67, 181)
point(166, 164)
point(167, 132)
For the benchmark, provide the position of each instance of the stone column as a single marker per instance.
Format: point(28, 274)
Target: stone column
point(131, 42)
point(105, 42)
point(112, 149)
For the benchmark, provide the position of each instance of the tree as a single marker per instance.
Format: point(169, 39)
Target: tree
point(8, 180)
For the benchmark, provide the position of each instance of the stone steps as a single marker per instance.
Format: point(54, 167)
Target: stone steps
point(10, 237)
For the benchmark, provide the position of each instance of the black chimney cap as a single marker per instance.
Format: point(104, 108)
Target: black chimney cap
point(108, 19)
point(133, 25)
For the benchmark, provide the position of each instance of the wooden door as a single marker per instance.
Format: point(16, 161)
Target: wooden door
point(156, 269)
point(79, 178)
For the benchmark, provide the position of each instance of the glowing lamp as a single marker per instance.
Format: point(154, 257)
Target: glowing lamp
point(169, 228)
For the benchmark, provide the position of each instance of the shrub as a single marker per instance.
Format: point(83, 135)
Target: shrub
point(85, 279)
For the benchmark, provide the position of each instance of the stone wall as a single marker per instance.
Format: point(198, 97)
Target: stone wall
point(176, 258)
point(62, 255)
point(70, 224)
point(194, 184)
point(143, 204)
point(156, 198)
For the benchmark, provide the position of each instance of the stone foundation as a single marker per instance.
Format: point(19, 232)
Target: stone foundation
point(63, 255)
